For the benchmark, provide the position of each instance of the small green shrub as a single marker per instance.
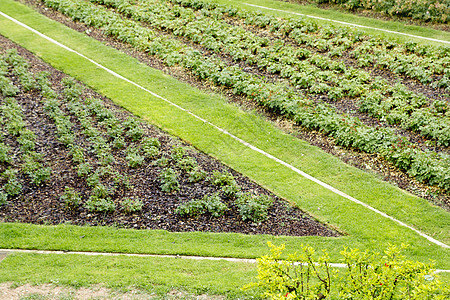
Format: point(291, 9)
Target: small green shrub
point(13, 187)
point(187, 164)
point(3, 198)
point(208, 204)
point(118, 142)
point(133, 129)
point(196, 175)
point(96, 204)
point(177, 153)
point(134, 159)
point(4, 156)
point(77, 154)
point(169, 180)
point(40, 175)
point(231, 191)
point(221, 179)
point(253, 208)
point(101, 191)
point(367, 276)
point(148, 142)
point(93, 180)
point(84, 169)
point(71, 198)
point(162, 162)
point(130, 205)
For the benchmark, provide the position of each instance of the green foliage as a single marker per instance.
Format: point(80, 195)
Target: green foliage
point(169, 180)
point(222, 179)
point(133, 129)
point(150, 147)
point(96, 204)
point(211, 204)
point(3, 197)
point(300, 276)
point(130, 205)
point(71, 198)
point(84, 169)
point(101, 191)
point(12, 187)
point(367, 276)
point(231, 191)
point(177, 153)
point(4, 153)
point(134, 159)
point(77, 154)
point(196, 175)
point(187, 164)
point(253, 208)
point(162, 162)
point(41, 175)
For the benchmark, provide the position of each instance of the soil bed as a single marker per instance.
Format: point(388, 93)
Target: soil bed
point(42, 204)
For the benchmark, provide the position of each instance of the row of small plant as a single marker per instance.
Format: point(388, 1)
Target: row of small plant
point(426, 63)
point(308, 275)
point(426, 10)
point(425, 166)
point(93, 161)
point(13, 125)
point(251, 207)
point(90, 111)
point(315, 74)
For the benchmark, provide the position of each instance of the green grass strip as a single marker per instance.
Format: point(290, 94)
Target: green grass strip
point(150, 274)
point(366, 230)
point(312, 10)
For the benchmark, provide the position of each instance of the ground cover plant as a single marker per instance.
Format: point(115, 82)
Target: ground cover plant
point(71, 156)
point(378, 97)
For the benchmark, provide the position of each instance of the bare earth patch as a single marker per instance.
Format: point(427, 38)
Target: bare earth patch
point(50, 291)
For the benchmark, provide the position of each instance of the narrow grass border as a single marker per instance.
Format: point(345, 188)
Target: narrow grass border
point(397, 26)
point(374, 234)
point(157, 275)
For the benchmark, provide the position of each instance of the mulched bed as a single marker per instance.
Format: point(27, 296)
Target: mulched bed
point(371, 163)
point(42, 205)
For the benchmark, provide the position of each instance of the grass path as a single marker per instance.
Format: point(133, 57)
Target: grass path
point(365, 229)
point(286, 9)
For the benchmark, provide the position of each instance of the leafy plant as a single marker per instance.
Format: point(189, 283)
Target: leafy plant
point(231, 191)
point(4, 153)
point(253, 208)
point(3, 197)
point(208, 204)
point(187, 164)
point(169, 180)
point(178, 153)
point(134, 159)
point(96, 204)
point(130, 205)
point(367, 276)
point(84, 169)
point(196, 175)
point(222, 179)
point(70, 197)
point(41, 175)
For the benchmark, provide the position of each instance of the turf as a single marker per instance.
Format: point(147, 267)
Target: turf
point(312, 10)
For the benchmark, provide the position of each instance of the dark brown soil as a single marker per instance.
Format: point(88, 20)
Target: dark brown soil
point(368, 162)
point(42, 205)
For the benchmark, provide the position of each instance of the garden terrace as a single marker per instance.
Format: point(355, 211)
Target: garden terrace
point(74, 157)
point(402, 126)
